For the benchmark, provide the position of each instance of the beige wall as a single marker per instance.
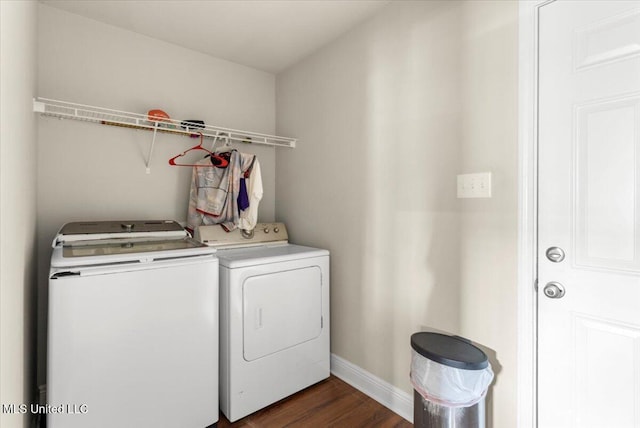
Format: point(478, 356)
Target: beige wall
point(88, 171)
point(373, 178)
point(17, 207)
point(387, 115)
point(488, 228)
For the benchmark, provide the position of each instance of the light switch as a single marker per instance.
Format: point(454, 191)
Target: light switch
point(474, 185)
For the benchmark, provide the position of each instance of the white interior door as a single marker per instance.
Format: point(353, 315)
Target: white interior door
point(589, 206)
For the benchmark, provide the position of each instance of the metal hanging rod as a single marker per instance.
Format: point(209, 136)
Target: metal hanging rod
point(105, 116)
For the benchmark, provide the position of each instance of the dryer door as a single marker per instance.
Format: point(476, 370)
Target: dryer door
point(281, 310)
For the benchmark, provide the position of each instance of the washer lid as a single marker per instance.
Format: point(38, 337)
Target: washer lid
point(110, 252)
point(452, 351)
point(119, 230)
point(252, 256)
point(106, 242)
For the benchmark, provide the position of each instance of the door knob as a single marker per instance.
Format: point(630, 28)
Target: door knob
point(555, 254)
point(553, 290)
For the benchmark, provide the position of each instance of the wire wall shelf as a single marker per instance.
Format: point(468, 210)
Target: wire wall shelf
point(105, 116)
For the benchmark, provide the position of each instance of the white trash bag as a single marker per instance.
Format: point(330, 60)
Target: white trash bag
point(449, 386)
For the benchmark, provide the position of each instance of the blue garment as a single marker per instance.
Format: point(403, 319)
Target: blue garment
point(243, 197)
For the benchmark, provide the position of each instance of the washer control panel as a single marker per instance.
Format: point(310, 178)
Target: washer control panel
point(264, 233)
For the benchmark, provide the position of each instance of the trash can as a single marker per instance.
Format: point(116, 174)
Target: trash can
point(450, 377)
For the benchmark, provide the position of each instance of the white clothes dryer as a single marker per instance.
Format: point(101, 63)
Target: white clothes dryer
point(274, 316)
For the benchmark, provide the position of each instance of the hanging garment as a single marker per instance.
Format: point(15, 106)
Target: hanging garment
point(214, 192)
point(243, 196)
point(249, 217)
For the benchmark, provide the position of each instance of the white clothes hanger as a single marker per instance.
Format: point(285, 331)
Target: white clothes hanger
point(226, 147)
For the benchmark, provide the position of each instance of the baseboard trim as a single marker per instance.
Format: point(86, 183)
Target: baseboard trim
point(383, 392)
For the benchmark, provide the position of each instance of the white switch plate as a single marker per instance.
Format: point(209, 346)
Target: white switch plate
point(474, 185)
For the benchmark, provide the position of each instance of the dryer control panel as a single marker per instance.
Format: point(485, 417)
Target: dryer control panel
point(264, 233)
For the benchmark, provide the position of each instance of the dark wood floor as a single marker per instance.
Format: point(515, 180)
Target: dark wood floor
point(330, 403)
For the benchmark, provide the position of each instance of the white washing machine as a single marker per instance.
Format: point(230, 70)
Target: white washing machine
point(274, 316)
point(132, 327)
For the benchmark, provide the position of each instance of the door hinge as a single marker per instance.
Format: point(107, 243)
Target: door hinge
point(535, 285)
point(321, 322)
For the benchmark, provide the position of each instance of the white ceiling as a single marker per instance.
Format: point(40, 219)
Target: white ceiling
point(269, 35)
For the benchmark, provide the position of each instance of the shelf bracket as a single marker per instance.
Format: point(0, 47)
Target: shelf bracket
point(153, 143)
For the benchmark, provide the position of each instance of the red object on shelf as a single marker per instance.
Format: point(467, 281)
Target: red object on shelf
point(157, 115)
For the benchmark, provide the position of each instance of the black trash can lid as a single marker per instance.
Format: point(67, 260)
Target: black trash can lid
point(451, 351)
